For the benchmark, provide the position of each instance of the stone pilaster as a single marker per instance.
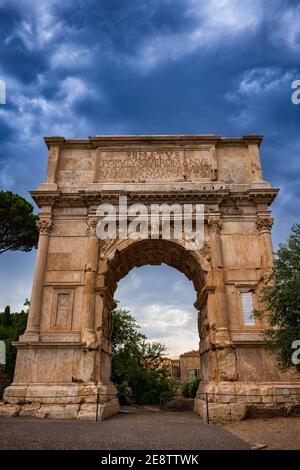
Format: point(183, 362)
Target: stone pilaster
point(33, 324)
point(88, 309)
point(218, 280)
point(52, 164)
point(223, 360)
point(254, 162)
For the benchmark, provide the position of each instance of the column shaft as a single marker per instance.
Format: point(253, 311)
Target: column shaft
point(88, 309)
point(220, 299)
point(33, 324)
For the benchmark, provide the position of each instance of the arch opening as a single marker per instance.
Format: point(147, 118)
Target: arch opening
point(121, 258)
point(160, 299)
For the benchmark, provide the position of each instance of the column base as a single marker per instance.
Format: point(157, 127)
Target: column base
point(29, 337)
point(225, 401)
point(61, 401)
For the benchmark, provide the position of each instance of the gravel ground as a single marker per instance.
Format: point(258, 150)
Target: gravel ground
point(146, 431)
point(277, 433)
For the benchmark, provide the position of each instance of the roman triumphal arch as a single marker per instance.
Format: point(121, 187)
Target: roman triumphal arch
point(64, 356)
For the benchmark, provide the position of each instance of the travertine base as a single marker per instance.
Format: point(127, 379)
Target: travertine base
point(59, 401)
point(239, 400)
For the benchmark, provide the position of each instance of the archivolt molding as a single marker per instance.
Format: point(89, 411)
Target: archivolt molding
point(118, 257)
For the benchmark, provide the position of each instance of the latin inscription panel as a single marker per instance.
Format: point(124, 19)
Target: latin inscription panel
point(153, 165)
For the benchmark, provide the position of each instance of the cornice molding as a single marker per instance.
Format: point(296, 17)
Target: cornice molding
point(55, 140)
point(83, 198)
point(180, 139)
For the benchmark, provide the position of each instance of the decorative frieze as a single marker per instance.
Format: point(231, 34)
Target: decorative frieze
point(230, 210)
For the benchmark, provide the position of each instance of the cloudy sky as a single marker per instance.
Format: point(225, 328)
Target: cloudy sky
point(85, 67)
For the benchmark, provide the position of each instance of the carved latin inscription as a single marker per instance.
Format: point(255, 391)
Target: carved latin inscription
point(140, 165)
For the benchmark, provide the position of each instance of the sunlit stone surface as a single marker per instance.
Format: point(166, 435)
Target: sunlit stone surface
point(64, 357)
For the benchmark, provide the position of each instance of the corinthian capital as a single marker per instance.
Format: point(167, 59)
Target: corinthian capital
point(264, 224)
point(91, 226)
point(44, 226)
point(215, 224)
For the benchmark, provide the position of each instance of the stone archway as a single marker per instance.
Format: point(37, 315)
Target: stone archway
point(64, 356)
point(120, 257)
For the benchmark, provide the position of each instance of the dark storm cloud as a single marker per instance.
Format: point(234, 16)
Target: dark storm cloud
point(78, 68)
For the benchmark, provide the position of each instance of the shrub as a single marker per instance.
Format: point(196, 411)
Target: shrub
point(12, 325)
point(140, 369)
point(189, 389)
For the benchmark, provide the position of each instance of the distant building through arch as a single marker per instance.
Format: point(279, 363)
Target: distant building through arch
point(187, 366)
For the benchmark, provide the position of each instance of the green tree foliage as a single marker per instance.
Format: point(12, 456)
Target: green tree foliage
point(126, 332)
point(139, 368)
point(12, 325)
point(280, 300)
point(189, 389)
point(17, 223)
point(7, 317)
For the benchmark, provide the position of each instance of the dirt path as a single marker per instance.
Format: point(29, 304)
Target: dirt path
point(277, 433)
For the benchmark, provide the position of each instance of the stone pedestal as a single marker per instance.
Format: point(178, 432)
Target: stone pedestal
point(227, 401)
point(69, 390)
point(60, 401)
